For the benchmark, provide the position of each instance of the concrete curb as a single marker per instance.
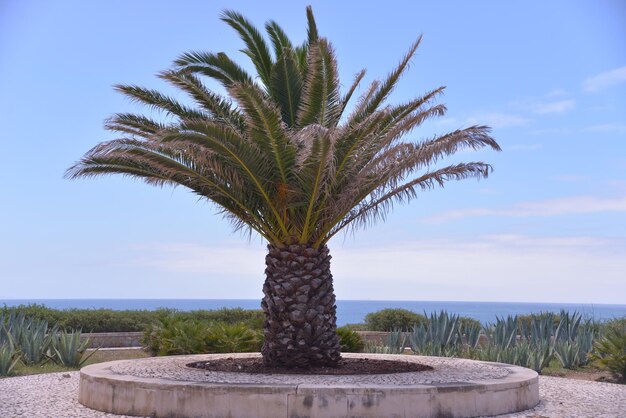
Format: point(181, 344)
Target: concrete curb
point(107, 388)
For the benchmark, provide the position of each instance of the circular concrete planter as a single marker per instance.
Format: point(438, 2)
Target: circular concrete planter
point(165, 387)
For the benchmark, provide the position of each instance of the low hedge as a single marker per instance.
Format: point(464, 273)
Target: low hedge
point(109, 320)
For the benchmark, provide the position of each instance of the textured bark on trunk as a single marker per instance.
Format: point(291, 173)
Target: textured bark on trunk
point(299, 304)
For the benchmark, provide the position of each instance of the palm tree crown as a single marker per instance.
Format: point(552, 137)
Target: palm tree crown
point(282, 153)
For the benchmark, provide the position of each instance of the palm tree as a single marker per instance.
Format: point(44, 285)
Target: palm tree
point(283, 155)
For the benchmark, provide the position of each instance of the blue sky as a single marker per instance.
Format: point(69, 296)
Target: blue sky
point(548, 225)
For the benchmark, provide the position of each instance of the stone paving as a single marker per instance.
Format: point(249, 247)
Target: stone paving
point(445, 370)
point(54, 395)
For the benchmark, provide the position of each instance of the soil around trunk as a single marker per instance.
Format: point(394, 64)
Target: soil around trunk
point(346, 366)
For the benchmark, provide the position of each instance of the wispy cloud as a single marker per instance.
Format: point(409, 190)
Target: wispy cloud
point(551, 131)
point(547, 207)
point(487, 268)
point(605, 80)
point(226, 260)
point(427, 269)
point(524, 147)
point(497, 120)
point(560, 106)
point(571, 178)
point(619, 128)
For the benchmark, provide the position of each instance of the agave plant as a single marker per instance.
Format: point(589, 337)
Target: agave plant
point(394, 344)
point(540, 329)
point(504, 332)
point(8, 359)
point(35, 340)
point(471, 332)
point(69, 350)
point(288, 155)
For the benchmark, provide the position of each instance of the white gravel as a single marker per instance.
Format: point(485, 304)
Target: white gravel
point(54, 395)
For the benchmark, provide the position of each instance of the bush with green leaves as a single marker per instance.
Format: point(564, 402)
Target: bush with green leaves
point(393, 319)
point(610, 351)
point(173, 335)
point(350, 340)
point(617, 324)
point(233, 338)
point(109, 320)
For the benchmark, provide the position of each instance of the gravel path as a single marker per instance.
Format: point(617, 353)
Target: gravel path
point(54, 396)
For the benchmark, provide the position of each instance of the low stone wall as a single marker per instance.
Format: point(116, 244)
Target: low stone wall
point(113, 339)
point(133, 339)
point(374, 337)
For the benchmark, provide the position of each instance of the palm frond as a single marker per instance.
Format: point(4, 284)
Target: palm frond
point(286, 86)
point(283, 157)
point(279, 38)
point(390, 82)
point(346, 98)
point(256, 47)
point(174, 165)
point(368, 212)
point(312, 175)
point(311, 31)
point(159, 101)
point(219, 107)
point(135, 125)
point(320, 93)
point(217, 66)
point(264, 124)
point(240, 154)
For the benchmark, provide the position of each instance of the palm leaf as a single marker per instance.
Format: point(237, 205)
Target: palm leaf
point(159, 101)
point(136, 125)
point(217, 66)
point(214, 104)
point(320, 96)
point(257, 49)
point(388, 85)
point(286, 86)
point(279, 38)
point(264, 124)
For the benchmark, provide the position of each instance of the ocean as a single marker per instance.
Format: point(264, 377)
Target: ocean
point(348, 311)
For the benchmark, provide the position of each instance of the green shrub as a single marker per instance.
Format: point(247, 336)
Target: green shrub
point(233, 338)
point(349, 340)
point(610, 351)
point(356, 327)
point(171, 336)
point(109, 320)
point(253, 318)
point(174, 334)
point(393, 319)
point(617, 324)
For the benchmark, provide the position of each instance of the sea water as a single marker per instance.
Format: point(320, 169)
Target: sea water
point(348, 311)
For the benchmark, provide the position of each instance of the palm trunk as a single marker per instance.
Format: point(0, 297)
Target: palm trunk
point(299, 304)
